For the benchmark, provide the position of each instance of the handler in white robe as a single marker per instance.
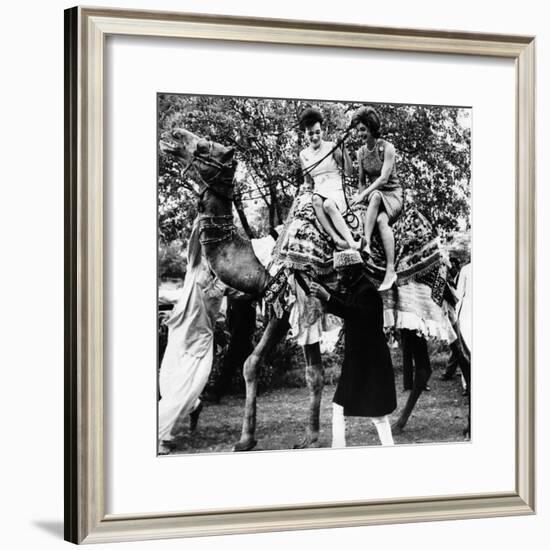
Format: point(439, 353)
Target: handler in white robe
point(187, 361)
point(464, 305)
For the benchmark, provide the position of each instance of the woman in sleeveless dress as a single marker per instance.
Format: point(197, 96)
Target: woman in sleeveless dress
point(322, 164)
point(379, 188)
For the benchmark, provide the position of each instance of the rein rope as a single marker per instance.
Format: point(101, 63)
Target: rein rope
point(350, 217)
point(338, 144)
point(216, 229)
point(226, 181)
point(219, 228)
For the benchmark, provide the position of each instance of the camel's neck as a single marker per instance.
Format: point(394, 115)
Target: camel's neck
point(213, 205)
point(231, 256)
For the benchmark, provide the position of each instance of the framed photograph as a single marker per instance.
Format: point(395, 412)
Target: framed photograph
point(299, 275)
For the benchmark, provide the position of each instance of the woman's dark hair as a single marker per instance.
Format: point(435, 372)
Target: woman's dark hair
point(369, 117)
point(309, 117)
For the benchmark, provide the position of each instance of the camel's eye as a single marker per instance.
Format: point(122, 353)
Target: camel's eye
point(176, 134)
point(203, 146)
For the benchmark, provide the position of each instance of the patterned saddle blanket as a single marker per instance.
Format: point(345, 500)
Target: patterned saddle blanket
point(304, 246)
point(416, 303)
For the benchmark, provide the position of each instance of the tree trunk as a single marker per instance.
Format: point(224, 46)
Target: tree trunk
point(272, 206)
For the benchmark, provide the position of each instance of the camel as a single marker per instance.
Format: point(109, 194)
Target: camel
point(232, 259)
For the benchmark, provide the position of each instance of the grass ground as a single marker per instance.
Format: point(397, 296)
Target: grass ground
point(440, 416)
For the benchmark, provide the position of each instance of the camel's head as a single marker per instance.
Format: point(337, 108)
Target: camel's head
point(180, 143)
point(212, 160)
point(185, 146)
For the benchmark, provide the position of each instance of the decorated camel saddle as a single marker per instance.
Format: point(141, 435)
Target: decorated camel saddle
point(416, 302)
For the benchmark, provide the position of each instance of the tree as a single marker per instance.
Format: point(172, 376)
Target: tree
point(432, 144)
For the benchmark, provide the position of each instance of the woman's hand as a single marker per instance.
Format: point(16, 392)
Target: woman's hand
point(319, 292)
point(359, 198)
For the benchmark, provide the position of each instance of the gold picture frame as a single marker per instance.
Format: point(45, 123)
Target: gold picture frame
point(85, 517)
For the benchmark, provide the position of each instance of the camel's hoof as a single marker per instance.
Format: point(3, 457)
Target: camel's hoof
point(244, 445)
point(397, 428)
point(307, 443)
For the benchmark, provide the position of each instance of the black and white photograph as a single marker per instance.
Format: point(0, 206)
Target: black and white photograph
point(314, 273)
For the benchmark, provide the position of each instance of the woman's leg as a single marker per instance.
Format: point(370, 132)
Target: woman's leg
point(388, 242)
point(383, 428)
point(369, 218)
point(339, 223)
point(338, 426)
point(317, 202)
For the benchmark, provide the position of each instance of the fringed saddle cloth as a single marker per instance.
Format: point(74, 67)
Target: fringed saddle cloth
point(415, 304)
point(303, 246)
point(418, 255)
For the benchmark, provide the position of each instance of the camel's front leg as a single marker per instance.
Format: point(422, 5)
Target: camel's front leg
point(315, 382)
point(422, 373)
point(274, 332)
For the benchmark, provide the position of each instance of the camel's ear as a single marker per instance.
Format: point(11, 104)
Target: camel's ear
point(228, 155)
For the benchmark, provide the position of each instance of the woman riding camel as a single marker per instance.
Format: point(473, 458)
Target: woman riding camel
point(379, 188)
point(322, 163)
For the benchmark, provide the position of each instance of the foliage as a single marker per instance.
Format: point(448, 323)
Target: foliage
point(172, 263)
point(432, 144)
point(277, 371)
point(177, 203)
point(459, 246)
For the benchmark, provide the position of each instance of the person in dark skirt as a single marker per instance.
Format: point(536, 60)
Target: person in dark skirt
point(367, 384)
